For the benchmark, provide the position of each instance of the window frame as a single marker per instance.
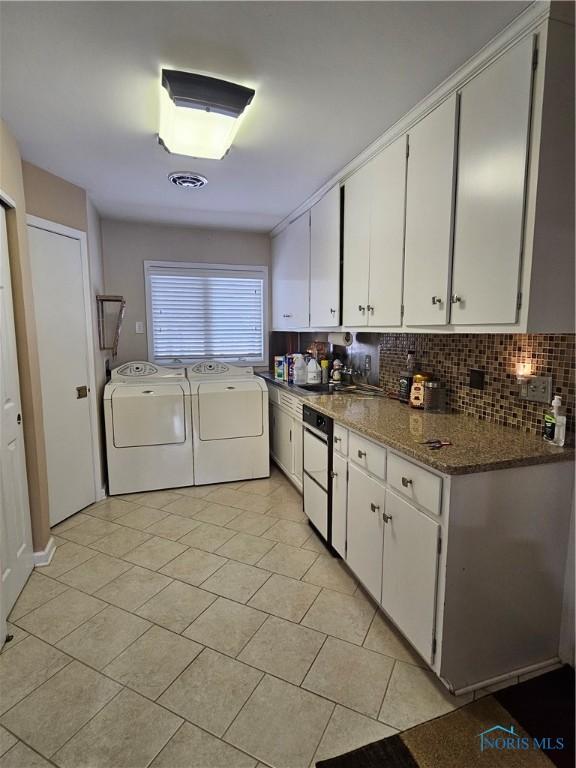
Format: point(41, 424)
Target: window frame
point(257, 270)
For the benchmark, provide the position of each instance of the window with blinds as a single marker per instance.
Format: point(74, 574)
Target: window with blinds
point(195, 311)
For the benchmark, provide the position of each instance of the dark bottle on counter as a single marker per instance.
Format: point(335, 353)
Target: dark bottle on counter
point(407, 377)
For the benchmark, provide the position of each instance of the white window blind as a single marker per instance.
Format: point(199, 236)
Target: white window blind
point(200, 312)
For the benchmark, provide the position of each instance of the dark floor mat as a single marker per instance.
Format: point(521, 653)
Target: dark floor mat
point(544, 706)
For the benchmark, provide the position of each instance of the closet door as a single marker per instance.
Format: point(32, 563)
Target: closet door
point(387, 235)
point(492, 161)
point(429, 216)
point(357, 201)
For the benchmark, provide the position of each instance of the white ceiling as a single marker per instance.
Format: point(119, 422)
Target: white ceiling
point(80, 91)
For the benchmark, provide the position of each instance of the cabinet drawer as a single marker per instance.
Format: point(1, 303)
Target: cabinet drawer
point(415, 483)
point(340, 440)
point(290, 403)
point(368, 455)
point(273, 393)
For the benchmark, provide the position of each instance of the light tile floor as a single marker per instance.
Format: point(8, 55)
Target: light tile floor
point(201, 628)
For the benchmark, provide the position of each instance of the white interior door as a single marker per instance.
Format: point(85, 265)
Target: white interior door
point(387, 235)
point(15, 530)
point(58, 283)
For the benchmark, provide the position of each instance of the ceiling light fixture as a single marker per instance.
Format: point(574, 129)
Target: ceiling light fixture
point(199, 115)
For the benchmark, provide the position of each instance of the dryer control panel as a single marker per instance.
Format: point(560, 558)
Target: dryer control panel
point(142, 369)
point(215, 368)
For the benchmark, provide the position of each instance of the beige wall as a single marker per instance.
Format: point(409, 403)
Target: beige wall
point(53, 198)
point(126, 245)
point(11, 183)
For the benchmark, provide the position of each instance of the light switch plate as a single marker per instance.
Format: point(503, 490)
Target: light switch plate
point(537, 389)
point(139, 327)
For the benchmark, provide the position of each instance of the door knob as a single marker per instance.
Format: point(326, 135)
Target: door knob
point(82, 392)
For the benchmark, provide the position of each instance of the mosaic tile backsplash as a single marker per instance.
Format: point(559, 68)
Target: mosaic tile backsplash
point(450, 358)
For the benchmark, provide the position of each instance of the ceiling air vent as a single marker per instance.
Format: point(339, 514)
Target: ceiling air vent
point(188, 180)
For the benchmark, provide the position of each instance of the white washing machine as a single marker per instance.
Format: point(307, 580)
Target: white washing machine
point(148, 416)
point(230, 423)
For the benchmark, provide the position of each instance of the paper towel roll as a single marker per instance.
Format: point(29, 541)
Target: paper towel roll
point(341, 339)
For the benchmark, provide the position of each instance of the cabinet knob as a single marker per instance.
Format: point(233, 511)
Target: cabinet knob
point(332, 311)
point(337, 439)
point(361, 308)
point(456, 299)
point(333, 474)
point(361, 454)
point(406, 482)
point(285, 315)
point(370, 308)
point(386, 517)
point(436, 300)
point(374, 508)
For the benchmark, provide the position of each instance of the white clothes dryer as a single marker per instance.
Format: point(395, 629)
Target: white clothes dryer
point(230, 423)
point(148, 418)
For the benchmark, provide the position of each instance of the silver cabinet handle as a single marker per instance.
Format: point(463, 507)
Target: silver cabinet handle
point(361, 454)
point(456, 299)
point(406, 482)
point(386, 517)
point(436, 300)
point(361, 308)
point(374, 507)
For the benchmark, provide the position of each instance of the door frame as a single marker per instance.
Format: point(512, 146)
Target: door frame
point(78, 234)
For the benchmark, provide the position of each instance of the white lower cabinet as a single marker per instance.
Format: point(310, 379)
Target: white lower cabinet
point(339, 503)
point(409, 572)
point(286, 442)
point(366, 499)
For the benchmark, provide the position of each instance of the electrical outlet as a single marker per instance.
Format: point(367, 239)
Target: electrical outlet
point(538, 389)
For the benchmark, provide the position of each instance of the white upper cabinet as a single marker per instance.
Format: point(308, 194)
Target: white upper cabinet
point(387, 236)
point(357, 200)
point(429, 207)
point(325, 261)
point(374, 240)
point(492, 160)
point(291, 276)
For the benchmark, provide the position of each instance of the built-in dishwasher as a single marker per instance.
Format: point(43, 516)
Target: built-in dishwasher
point(317, 476)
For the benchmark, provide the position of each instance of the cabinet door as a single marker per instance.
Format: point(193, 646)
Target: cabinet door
point(366, 498)
point(492, 158)
point(282, 439)
point(387, 235)
point(357, 197)
point(429, 216)
point(290, 275)
point(297, 445)
point(339, 504)
point(325, 261)
point(409, 572)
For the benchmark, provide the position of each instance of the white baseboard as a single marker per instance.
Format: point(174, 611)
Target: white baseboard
point(44, 556)
point(101, 494)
